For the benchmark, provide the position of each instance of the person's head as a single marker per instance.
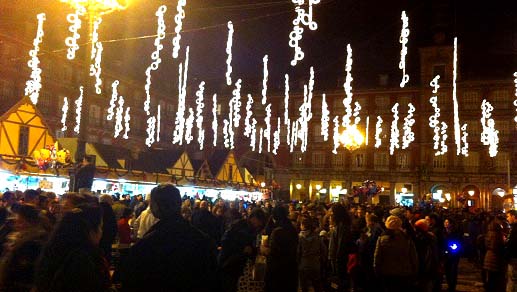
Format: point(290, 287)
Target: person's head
point(31, 197)
point(511, 216)
point(449, 223)
point(371, 219)
point(421, 226)
point(203, 205)
point(8, 198)
point(79, 227)
point(86, 160)
point(359, 212)
point(340, 215)
point(257, 219)
point(280, 214)
point(105, 198)
point(127, 213)
point(307, 224)
point(431, 219)
point(393, 223)
point(71, 200)
point(218, 211)
point(26, 216)
point(166, 202)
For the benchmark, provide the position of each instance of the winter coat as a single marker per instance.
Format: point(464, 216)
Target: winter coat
point(428, 255)
point(281, 268)
point(310, 251)
point(495, 253)
point(395, 255)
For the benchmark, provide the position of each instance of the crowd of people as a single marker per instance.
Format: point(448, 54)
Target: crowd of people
point(164, 242)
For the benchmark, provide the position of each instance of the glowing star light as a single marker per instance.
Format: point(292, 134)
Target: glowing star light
point(395, 133)
point(75, 25)
point(155, 56)
point(409, 121)
point(33, 86)
point(347, 101)
point(264, 81)
point(325, 119)
point(404, 34)
point(127, 118)
point(179, 25)
point(489, 135)
point(229, 53)
point(65, 113)
point(78, 109)
point(182, 94)
point(303, 17)
point(113, 101)
point(199, 115)
point(96, 56)
point(214, 120)
point(378, 131)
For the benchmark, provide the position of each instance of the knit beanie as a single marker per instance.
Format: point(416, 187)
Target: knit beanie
point(393, 222)
point(422, 225)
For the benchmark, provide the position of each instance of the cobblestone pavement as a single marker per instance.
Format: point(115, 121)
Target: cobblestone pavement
point(469, 278)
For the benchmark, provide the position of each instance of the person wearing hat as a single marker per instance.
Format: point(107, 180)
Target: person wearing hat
point(428, 256)
point(395, 260)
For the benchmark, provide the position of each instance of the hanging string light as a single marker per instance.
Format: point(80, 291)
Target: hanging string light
point(113, 100)
point(75, 25)
point(155, 56)
point(229, 53)
point(347, 101)
point(367, 129)
point(189, 125)
point(305, 112)
point(409, 121)
point(457, 130)
point(325, 113)
point(78, 110)
point(253, 136)
point(294, 135)
point(303, 17)
point(182, 94)
point(378, 131)
point(199, 115)
point(465, 148)
point(336, 137)
point(260, 139)
point(395, 133)
point(267, 132)
point(151, 127)
point(404, 34)
point(287, 121)
point(226, 133)
point(357, 111)
point(264, 80)
point(276, 135)
point(179, 25)
point(489, 135)
point(444, 138)
point(65, 113)
point(96, 56)
point(515, 101)
point(127, 118)
point(33, 85)
point(158, 123)
point(235, 105)
point(247, 120)
point(214, 119)
point(440, 134)
point(118, 117)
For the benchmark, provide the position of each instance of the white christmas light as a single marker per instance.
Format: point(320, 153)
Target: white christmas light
point(264, 81)
point(489, 135)
point(357, 111)
point(347, 101)
point(457, 130)
point(113, 100)
point(75, 25)
point(367, 130)
point(378, 131)
point(182, 94)
point(302, 18)
point(465, 148)
point(155, 56)
point(179, 25)
point(33, 85)
point(189, 125)
point(226, 133)
point(395, 133)
point(249, 113)
point(127, 118)
point(294, 135)
point(253, 136)
point(96, 56)
point(444, 138)
point(287, 121)
point(276, 137)
point(325, 119)
point(305, 113)
point(158, 123)
point(65, 113)
point(78, 110)
point(336, 135)
point(515, 101)
point(235, 104)
point(229, 53)
point(440, 133)
point(199, 115)
point(118, 117)
point(404, 34)
point(409, 121)
point(214, 120)
point(151, 127)
point(267, 132)
point(260, 139)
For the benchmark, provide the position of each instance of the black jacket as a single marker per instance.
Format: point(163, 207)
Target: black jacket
point(84, 177)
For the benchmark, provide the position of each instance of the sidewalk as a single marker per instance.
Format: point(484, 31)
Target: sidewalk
point(469, 278)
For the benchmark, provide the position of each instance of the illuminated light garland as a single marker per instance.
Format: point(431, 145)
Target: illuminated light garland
point(305, 112)
point(294, 135)
point(267, 131)
point(158, 123)
point(440, 133)
point(155, 56)
point(336, 137)
point(179, 25)
point(113, 100)
point(347, 101)
point(75, 25)
point(404, 34)
point(151, 127)
point(287, 121)
point(118, 117)
point(253, 136)
point(189, 125)
point(465, 134)
point(199, 115)
point(276, 136)
point(444, 138)
point(235, 105)
point(65, 113)
point(214, 120)
point(96, 56)
point(229, 53)
point(325, 118)
point(78, 110)
point(296, 35)
point(515, 101)
point(127, 118)
point(367, 130)
point(457, 130)
point(249, 114)
point(182, 94)
point(357, 111)
point(378, 131)
point(33, 85)
point(395, 133)
point(260, 139)
point(409, 121)
point(264, 81)
point(489, 135)
point(226, 133)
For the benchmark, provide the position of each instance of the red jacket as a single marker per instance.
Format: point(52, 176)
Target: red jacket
point(124, 232)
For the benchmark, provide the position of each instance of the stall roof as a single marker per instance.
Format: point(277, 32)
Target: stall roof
point(112, 154)
point(157, 161)
point(216, 160)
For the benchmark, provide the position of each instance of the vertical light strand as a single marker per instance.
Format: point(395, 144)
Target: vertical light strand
point(155, 56)
point(199, 115)
point(179, 129)
point(276, 135)
point(151, 131)
point(336, 136)
point(306, 112)
point(96, 55)
point(378, 131)
point(119, 117)
point(515, 101)
point(347, 101)
point(357, 111)
point(367, 130)
point(287, 121)
point(75, 25)
point(249, 114)
point(404, 34)
point(296, 35)
point(457, 130)
point(189, 125)
point(78, 110)
point(226, 133)
point(33, 85)
point(65, 113)
point(253, 136)
point(464, 135)
point(489, 135)
point(260, 139)
point(395, 133)
point(264, 80)
point(214, 119)
point(325, 118)
point(158, 123)
point(229, 44)
point(409, 121)
point(178, 18)
point(127, 118)
point(444, 138)
point(113, 100)
point(440, 134)
point(267, 132)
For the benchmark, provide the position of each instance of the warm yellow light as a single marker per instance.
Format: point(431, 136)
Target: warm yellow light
point(471, 192)
point(262, 184)
point(98, 6)
point(404, 190)
point(448, 196)
point(298, 186)
point(318, 187)
point(351, 138)
point(500, 193)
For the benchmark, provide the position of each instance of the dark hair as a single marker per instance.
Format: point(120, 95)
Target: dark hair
point(280, 213)
point(340, 215)
point(167, 199)
point(8, 196)
point(259, 214)
point(127, 213)
point(308, 223)
point(30, 195)
point(28, 212)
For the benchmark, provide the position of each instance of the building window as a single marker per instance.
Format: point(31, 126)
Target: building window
point(338, 160)
point(439, 69)
point(338, 107)
point(318, 159)
point(44, 102)
point(298, 159)
point(381, 160)
point(382, 104)
point(109, 125)
point(68, 73)
point(504, 129)
point(471, 100)
point(471, 162)
point(500, 99)
point(403, 160)
point(443, 101)
point(6, 89)
point(440, 162)
point(23, 141)
point(359, 160)
point(94, 115)
point(474, 131)
point(316, 134)
point(501, 161)
point(230, 172)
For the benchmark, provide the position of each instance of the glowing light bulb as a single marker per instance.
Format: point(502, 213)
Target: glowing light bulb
point(465, 148)
point(127, 118)
point(367, 130)
point(33, 85)
point(440, 133)
point(395, 133)
point(179, 25)
point(118, 117)
point(214, 120)
point(253, 136)
point(96, 56)
point(113, 100)
point(357, 111)
point(179, 129)
point(155, 56)
point(78, 110)
point(229, 53)
point(264, 81)
point(347, 101)
point(199, 115)
point(409, 121)
point(378, 131)
point(404, 34)
point(226, 133)
point(75, 25)
point(65, 113)
point(457, 130)
point(151, 127)
point(489, 135)
point(325, 113)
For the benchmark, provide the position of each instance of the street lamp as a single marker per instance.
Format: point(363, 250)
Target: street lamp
point(262, 184)
point(318, 187)
point(351, 138)
point(471, 192)
point(298, 186)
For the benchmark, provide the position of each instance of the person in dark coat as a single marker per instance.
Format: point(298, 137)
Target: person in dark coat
point(428, 256)
point(341, 245)
point(205, 221)
point(109, 226)
point(495, 262)
point(453, 250)
point(172, 255)
point(84, 176)
point(282, 268)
